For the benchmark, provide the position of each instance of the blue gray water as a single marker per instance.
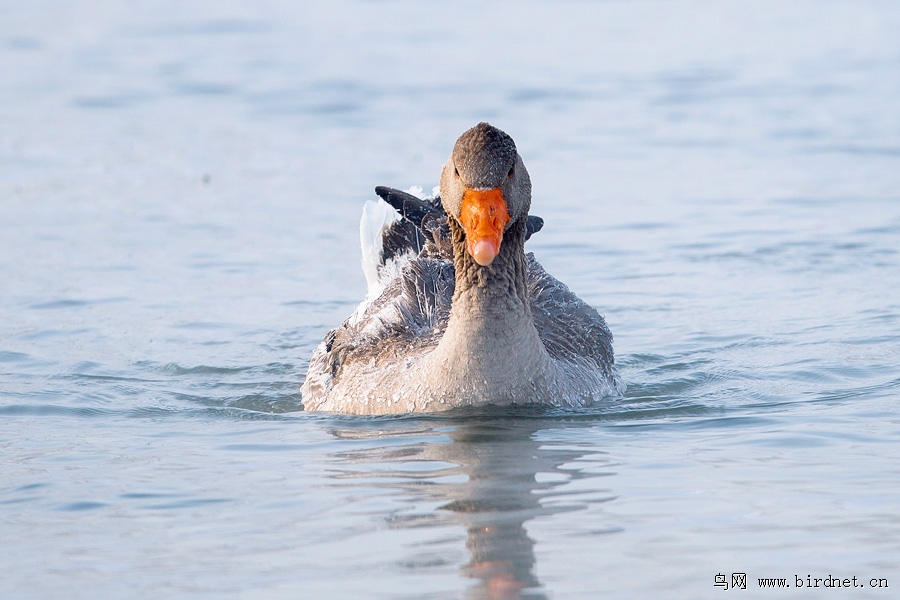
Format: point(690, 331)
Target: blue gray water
point(180, 186)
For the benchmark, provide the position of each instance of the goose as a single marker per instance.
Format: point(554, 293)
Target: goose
point(457, 314)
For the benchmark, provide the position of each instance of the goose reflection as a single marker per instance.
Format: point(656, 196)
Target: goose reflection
point(489, 475)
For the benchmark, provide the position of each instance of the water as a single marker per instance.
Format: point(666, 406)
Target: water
point(179, 195)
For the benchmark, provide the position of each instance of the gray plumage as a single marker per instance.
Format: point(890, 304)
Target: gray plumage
point(449, 332)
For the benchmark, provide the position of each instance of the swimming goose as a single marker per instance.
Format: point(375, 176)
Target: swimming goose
point(457, 314)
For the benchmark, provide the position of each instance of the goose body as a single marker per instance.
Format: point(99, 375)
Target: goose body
point(457, 313)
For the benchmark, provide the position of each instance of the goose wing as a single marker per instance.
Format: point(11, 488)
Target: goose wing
point(410, 288)
point(409, 315)
point(570, 329)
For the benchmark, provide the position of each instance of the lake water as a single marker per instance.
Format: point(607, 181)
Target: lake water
point(180, 187)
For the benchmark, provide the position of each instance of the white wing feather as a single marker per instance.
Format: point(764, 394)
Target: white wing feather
point(377, 217)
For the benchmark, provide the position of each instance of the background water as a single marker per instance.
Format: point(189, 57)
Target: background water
point(180, 185)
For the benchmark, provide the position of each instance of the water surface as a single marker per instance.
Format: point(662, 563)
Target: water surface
point(179, 193)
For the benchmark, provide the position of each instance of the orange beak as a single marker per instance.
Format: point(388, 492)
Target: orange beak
point(484, 217)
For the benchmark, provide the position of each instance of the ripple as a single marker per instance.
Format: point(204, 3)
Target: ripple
point(876, 390)
point(121, 100)
point(82, 506)
point(176, 369)
point(267, 403)
point(263, 447)
point(188, 503)
point(8, 357)
point(56, 304)
point(53, 410)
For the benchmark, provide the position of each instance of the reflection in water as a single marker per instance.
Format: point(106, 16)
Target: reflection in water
point(495, 503)
point(489, 475)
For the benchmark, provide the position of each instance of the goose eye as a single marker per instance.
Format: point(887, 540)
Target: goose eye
point(511, 170)
point(456, 172)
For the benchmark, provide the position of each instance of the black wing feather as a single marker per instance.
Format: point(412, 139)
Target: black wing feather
point(422, 212)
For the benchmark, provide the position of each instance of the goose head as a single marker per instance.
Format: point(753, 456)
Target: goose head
point(486, 188)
